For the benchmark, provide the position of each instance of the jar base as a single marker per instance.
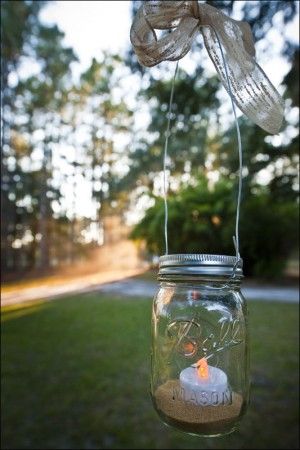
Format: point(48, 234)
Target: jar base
point(197, 431)
point(209, 421)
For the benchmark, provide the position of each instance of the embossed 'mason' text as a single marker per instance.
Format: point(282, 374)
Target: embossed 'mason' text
point(203, 398)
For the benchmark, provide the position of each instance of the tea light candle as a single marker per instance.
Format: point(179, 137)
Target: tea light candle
point(204, 385)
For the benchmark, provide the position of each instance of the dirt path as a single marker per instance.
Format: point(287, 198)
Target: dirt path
point(122, 283)
point(51, 290)
point(253, 292)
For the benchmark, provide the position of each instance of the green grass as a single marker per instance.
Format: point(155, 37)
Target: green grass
point(75, 375)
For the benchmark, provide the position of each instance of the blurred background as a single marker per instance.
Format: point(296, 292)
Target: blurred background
point(82, 135)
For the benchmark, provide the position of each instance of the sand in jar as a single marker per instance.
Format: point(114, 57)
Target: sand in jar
point(192, 417)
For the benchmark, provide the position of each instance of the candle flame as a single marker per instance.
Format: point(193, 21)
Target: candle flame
point(202, 367)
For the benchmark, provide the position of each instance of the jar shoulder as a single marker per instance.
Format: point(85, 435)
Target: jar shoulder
point(187, 299)
point(197, 292)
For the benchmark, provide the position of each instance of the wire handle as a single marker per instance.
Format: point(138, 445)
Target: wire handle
point(165, 186)
point(236, 240)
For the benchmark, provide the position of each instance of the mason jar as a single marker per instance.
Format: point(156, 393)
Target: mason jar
point(199, 357)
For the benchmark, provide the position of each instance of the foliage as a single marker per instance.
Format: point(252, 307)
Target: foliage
point(196, 135)
point(292, 78)
point(110, 118)
point(18, 24)
point(191, 117)
point(202, 220)
point(280, 162)
point(44, 112)
point(31, 105)
point(269, 232)
point(57, 132)
point(75, 374)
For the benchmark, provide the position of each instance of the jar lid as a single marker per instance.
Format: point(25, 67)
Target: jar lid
point(200, 264)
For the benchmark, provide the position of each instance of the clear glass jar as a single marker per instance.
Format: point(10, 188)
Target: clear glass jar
point(199, 358)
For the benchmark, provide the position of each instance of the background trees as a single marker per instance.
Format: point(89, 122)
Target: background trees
point(62, 136)
point(205, 224)
point(57, 133)
point(203, 153)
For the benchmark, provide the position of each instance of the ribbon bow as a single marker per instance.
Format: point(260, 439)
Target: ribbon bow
point(250, 87)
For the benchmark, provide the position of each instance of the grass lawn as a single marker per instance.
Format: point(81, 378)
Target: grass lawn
point(75, 375)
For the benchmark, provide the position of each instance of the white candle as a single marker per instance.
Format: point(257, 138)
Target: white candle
point(204, 385)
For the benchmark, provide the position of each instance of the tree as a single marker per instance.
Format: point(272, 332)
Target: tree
point(45, 111)
point(104, 119)
point(19, 20)
point(205, 224)
point(32, 120)
point(195, 113)
point(41, 98)
point(191, 117)
point(203, 146)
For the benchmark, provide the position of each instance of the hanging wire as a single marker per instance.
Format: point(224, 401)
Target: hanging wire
point(165, 187)
point(236, 240)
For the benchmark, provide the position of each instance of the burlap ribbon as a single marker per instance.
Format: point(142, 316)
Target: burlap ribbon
point(251, 89)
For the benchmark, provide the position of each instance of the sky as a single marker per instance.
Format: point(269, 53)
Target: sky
point(92, 27)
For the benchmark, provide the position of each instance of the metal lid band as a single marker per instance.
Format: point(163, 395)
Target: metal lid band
point(200, 265)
